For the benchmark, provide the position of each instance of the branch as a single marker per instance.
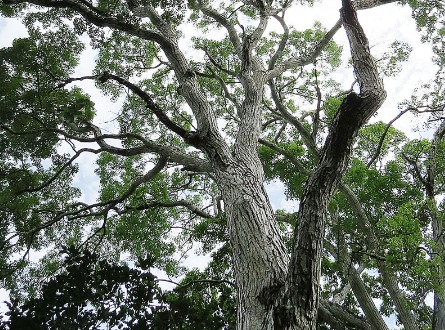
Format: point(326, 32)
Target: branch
point(86, 211)
point(302, 286)
point(233, 35)
point(287, 218)
point(316, 116)
point(431, 168)
point(226, 91)
point(358, 287)
point(382, 138)
point(366, 4)
point(188, 137)
point(59, 171)
point(217, 65)
point(214, 144)
point(339, 318)
point(308, 59)
point(142, 179)
point(282, 44)
point(186, 285)
point(389, 279)
point(189, 162)
point(364, 64)
point(98, 18)
point(417, 172)
point(182, 202)
point(371, 239)
point(305, 135)
point(287, 154)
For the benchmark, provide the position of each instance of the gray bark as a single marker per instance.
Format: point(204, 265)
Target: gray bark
point(439, 311)
point(339, 319)
point(259, 255)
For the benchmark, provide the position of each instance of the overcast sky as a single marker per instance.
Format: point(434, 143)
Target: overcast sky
point(382, 25)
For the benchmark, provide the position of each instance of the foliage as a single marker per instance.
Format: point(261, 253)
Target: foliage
point(91, 293)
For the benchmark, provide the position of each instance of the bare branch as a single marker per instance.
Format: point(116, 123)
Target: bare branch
point(307, 138)
point(308, 59)
point(382, 138)
point(339, 318)
point(282, 44)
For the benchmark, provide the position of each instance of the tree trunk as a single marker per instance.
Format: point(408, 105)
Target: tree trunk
point(259, 256)
point(439, 311)
point(438, 230)
point(439, 292)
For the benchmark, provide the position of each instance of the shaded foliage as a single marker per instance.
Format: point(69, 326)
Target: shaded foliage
point(89, 293)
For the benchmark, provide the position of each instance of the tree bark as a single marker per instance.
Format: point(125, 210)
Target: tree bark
point(259, 255)
point(439, 311)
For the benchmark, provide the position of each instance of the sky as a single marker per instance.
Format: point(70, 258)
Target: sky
point(382, 25)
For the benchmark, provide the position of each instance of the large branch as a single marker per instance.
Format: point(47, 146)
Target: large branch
point(189, 162)
point(302, 286)
point(96, 17)
point(283, 42)
point(212, 141)
point(367, 4)
point(340, 319)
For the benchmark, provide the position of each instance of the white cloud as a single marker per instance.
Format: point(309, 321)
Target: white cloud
point(10, 29)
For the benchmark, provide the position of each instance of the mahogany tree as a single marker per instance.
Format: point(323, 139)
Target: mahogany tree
point(203, 124)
